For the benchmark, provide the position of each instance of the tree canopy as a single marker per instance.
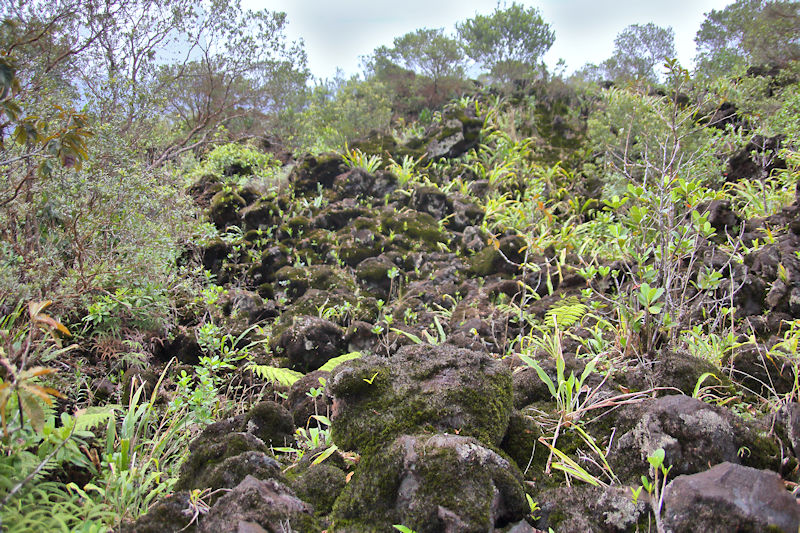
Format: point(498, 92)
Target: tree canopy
point(749, 32)
point(638, 50)
point(509, 42)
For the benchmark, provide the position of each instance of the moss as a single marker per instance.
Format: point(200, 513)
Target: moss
point(414, 225)
point(415, 479)
point(320, 486)
point(485, 262)
point(224, 208)
point(440, 388)
point(297, 280)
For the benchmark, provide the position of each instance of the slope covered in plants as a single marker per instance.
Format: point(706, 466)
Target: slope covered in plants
point(548, 303)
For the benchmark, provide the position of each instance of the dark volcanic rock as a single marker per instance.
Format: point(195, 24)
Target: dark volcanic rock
point(270, 504)
point(596, 509)
point(423, 387)
point(693, 434)
point(432, 483)
point(313, 172)
point(730, 497)
point(310, 342)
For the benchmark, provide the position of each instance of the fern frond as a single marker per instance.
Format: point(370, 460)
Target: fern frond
point(565, 313)
point(336, 361)
point(282, 376)
point(94, 416)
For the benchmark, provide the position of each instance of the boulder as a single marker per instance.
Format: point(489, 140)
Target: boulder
point(310, 342)
point(422, 387)
point(319, 171)
point(730, 497)
point(269, 504)
point(432, 483)
point(693, 434)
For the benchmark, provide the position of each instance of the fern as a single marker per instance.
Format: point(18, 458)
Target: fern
point(565, 313)
point(336, 361)
point(282, 376)
point(94, 416)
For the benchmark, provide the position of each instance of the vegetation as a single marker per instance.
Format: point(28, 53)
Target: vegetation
point(198, 243)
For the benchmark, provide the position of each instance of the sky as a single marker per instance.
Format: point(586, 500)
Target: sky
point(338, 32)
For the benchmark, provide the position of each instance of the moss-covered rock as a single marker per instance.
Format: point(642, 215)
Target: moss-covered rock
point(313, 172)
point(693, 434)
point(295, 281)
point(218, 442)
point(270, 504)
point(272, 259)
point(373, 272)
point(261, 214)
point(521, 443)
point(597, 509)
point(320, 485)
point(301, 404)
point(270, 422)
point(309, 343)
point(358, 183)
point(168, 514)
point(224, 209)
point(423, 387)
point(431, 483)
point(420, 228)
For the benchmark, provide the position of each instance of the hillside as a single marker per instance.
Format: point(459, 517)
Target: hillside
point(528, 302)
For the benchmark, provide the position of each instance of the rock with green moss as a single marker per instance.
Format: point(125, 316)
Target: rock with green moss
point(316, 171)
point(431, 483)
point(374, 272)
point(224, 209)
point(521, 443)
point(358, 183)
point(503, 257)
point(270, 422)
point(431, 200)
point(587, 508)
point(173, 513)
point(268, 503)
point(272, 259)
point(301, 404)
point(693, 434)
point(218, 442)
point(309, 343)
point(358, 241)
point(421, 229)
point(295, 281)
point(421, 388)
point(457, 134)
point(320, 485)
point(261, 214)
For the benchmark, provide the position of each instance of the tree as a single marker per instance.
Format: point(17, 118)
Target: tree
point(748, 32)
point(164, 75)
point(638, 49)
point(509, 42)
point(430, 52)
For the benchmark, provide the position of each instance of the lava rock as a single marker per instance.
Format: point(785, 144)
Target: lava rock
point(310, 342)
point(432, 483)
point(270, 504)
point(441, 388)
point(730, 497)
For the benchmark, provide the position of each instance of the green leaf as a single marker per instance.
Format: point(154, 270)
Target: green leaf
point(336, 361)
point(656, 459)
point(542, 374)
point(282, 376)
point(33, 410)
point(325, 454)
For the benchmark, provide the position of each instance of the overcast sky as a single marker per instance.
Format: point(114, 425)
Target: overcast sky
point(338, 32)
